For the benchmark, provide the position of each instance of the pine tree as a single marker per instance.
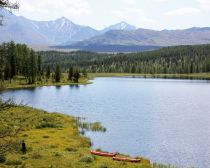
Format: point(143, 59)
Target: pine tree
point(57, 73)
point(70, 73)
point(76, 76)
point(39, 62)
point(33, 68)
point(84, 72)
point(12, 53)
point(48, 72)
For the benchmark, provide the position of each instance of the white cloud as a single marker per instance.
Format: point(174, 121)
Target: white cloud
point(188, 11)
point(47, 9)
point(130, 2)
point(205, 4)
point(130, 14)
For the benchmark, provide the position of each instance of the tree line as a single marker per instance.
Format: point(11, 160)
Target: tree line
point(18, 60)
point(168, 60)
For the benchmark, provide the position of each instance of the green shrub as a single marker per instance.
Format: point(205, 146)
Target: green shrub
point(49, 122)
point(103, 166)
point(53, 146)
point(58, 154)
point(2, 158)
point(69, 149)
point(87, 159)
point(47, 125)
point(46, 136)
point(24, 157)
point(36, 155)
point(22, 166)
point(13, 162)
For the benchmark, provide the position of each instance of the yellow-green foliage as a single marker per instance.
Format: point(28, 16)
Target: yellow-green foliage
point(53, 141)
point(20, 82)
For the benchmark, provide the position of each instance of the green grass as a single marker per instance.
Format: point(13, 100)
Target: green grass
point(19, 83)
point(52, 140)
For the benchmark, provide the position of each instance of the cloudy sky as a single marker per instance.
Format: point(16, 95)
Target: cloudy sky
point(153, 14)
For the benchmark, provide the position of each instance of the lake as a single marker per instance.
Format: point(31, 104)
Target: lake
point(166, 120)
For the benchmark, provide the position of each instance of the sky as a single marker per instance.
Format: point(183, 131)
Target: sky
point(150, 14)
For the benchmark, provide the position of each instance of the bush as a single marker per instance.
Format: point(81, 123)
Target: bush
point(47, 125)
point(46, 136)
point(13, 162)
point(87, 159)
point(103, 166)
point(58, 154)
point(49, 122)
point(2, 158)
point(36, 155)
point(69, 149)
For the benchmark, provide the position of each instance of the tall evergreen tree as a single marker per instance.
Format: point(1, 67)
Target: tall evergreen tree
point(48, 72)
point(13, 58)
point(76, 75)
point(57, 73)
point(70, 73)
point(33, 68)
point(39, 67)
point(84, 73)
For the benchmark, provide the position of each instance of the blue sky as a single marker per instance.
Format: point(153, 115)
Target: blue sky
point(152, 14)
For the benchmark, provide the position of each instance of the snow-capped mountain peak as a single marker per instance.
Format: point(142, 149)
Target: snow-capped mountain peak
point(120, 26)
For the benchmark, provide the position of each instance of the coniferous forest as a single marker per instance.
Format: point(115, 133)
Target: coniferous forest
point(19, 60)
point(169, 60)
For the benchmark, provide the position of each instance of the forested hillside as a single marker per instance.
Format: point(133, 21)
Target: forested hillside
point(20, 65)
point(19, 60)
point(169, 60)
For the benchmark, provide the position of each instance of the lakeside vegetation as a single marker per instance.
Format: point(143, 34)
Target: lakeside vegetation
point(21, 67)
point(52, 140)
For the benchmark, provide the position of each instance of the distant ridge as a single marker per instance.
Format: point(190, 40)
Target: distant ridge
point(120, 37)
point(109, 48)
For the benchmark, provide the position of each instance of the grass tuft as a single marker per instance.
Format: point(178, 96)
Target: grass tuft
point(87, 159)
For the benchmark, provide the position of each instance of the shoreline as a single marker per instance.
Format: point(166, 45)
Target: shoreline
point(28, 86)
point(53, 140)
point(200, 76)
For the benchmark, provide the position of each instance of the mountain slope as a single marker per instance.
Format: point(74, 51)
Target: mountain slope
point(119, 26)
point(20, 30)
point(145, 37)
point(23, 30)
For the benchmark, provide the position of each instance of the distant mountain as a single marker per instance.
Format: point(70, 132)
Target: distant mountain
point(23, 30)
point(119, 26)
point(146, 37)
point(63, 33)
point(62, 30)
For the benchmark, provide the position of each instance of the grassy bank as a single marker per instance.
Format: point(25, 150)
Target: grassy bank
point(52, 141)
point(20, 83)
point(203, 76)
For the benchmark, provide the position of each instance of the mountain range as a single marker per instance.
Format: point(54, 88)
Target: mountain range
point(122, 36)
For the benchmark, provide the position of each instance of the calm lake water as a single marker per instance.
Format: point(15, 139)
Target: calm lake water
point(165, 120)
